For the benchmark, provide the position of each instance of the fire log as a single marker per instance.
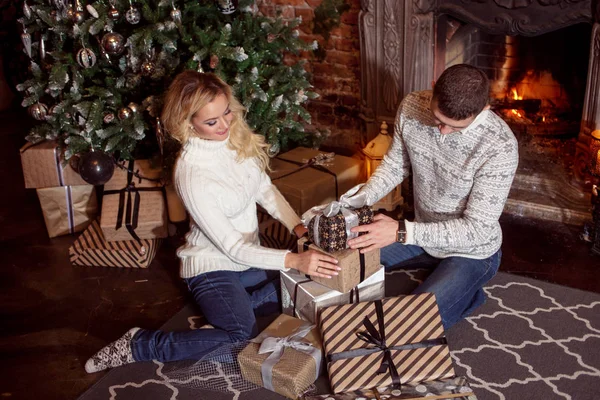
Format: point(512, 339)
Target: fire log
point(527, 105)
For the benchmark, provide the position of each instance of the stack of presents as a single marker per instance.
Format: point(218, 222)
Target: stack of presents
point(371, 346)
point(125, 230)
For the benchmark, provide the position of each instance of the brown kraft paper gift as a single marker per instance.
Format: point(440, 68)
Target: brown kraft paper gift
point(356, 267)
point(44, 166)
point(295, 371)
point(385, 342)
point(330, 233)
point(67, 209)
point(306, 187)
point(133, 212)
point(91, 249)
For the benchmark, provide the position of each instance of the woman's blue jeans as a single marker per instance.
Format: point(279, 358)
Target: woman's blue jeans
point(229, 301)
point(457, 282)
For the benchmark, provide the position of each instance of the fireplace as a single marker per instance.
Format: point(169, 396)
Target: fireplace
point(542, 57)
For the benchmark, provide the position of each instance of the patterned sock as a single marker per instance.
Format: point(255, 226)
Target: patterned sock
point(114, 355)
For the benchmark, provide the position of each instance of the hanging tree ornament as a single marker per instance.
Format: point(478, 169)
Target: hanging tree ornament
point(113, 13)
point(133, 15)
point(160, 135)
point(108, 117)
point(26, 10)
point(96, 167)
point(273, 150)
point(86, 57)
point(147, 68)
point(113, 43)
point(42, 48)
point(38, 111)
point(133, 107)
point(92, 11)
point(227, 6)
point(175, 14)
point(124, 113)
point(214, 61)
point(26, 39)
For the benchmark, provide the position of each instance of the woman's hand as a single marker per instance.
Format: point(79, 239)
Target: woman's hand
point(313, 263)
point(300, 230)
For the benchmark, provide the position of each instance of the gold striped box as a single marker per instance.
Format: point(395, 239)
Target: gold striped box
point(385, 342)
point(92, 249)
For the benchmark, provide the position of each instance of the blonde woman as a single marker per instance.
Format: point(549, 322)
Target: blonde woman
point(220, 176)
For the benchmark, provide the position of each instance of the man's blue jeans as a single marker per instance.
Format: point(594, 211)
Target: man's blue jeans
point(456, 281)
point(229, 301)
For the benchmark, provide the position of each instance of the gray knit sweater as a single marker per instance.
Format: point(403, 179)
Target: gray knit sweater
point(220, 195)
point(460, 180)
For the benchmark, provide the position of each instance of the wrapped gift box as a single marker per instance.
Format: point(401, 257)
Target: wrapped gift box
point(454, 388)
point(413, 348)
point(303, 298)
point(318, 184)
point(68, 209)
point(331, 233)
point(134, 171)
point(283, 369)
point(274, 234)
point(356, 267)
point(92, 249)
point(134, 204)
point(44, 166)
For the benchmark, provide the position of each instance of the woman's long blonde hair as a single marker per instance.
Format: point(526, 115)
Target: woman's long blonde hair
point(188, 93)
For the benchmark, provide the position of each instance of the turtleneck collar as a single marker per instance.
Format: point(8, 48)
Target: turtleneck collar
point(196, 145)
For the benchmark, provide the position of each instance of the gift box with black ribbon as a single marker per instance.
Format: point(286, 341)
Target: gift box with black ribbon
point(272, 233)
point(44, 166)
point(136, 210)
point(386, 342)
point(68, 209)
point(92, 249)
point(443, 389)
point(308, 177)
point(303, 298)
point(356, 267)
point(285, 358)
point(329, 225)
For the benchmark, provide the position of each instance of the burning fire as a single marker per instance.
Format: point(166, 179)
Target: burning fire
point(516, 96)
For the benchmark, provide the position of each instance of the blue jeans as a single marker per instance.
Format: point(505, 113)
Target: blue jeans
point(229, 301)
point(456, 281)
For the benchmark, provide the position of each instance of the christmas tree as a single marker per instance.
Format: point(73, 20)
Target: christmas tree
point(98, 71)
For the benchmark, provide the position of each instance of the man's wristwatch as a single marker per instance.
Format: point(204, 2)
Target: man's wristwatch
point(401, 232)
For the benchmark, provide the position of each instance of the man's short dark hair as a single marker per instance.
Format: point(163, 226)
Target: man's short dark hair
point(461, 91)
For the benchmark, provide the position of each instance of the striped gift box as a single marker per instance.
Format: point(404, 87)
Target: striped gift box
point(274, 234)
point(92, 249)
point(385, 342)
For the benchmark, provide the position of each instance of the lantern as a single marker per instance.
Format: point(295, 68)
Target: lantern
point(374, 152)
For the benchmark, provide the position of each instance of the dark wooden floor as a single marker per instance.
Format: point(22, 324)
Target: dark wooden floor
point(54, 315)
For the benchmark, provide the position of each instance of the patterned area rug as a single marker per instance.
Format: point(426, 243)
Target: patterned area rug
point(530, 340)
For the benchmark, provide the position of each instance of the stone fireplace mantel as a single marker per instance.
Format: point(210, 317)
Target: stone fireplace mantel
point(399, 51)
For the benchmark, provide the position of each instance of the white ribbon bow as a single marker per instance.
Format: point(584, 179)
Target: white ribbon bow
point(276, 346)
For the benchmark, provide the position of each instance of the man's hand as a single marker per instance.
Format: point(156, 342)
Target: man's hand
point(300, 230)
point(380, 233)
point(313, 263)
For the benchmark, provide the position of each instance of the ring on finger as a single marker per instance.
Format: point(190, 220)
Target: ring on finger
point(317, 270)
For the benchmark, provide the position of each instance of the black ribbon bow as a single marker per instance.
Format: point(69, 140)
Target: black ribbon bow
point(131, 211)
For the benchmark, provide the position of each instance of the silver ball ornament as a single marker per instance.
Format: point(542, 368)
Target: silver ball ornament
point(113, 43)
point(124, 113)
point(86, 58)
point(133, 16)
point(70, 14)
point(147, 68)
point(176, 15)
point(38, 111)
point(273, 149)
point(78, 17)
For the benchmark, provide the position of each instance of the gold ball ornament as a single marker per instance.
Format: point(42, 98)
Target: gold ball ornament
point(113, 13)
point(78, 17)
point(113, 43)
point(124, 113)
point(38, 111)
point(133, 107)
point(147, 68)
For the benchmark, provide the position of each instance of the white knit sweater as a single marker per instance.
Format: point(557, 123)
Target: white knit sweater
point(460, 180)
point(220, 195)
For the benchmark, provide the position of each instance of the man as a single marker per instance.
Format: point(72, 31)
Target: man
point(463, 159)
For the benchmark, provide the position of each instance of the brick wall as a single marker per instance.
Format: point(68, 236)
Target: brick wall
point(335, 78)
